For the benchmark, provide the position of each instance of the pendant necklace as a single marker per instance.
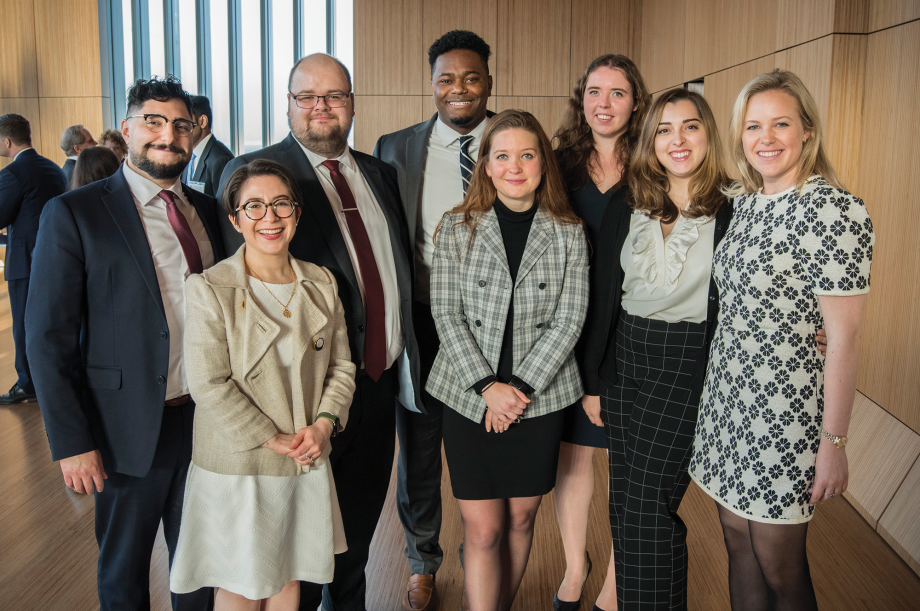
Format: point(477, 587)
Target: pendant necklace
point(287, 313)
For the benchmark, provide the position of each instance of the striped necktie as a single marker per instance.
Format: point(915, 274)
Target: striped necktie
point(466, 161)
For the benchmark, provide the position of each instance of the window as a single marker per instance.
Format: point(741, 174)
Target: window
point(237, 52)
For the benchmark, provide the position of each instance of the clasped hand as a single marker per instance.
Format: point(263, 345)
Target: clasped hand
point(306, 445)
point(504, 404)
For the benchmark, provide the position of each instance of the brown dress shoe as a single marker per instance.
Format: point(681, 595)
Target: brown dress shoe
point(420, 594)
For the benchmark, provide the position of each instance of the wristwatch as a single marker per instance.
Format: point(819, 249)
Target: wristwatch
point(333, 419)
point(838, 441)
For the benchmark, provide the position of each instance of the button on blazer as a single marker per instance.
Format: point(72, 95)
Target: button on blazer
point(471, 290)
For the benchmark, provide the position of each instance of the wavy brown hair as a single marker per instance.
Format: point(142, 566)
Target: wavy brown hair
point(648, 181)
point(574, 140)
point(481, 194)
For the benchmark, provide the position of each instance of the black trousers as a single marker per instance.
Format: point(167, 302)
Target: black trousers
point(19, 290)
point(361, 460)
point(128, 514)
point(418, 485)
point(650, 417)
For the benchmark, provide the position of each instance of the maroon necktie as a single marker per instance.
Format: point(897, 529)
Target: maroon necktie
point(375, 340)
point(183, 232)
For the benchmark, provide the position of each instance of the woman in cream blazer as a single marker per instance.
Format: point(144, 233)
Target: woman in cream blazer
point(269, 368)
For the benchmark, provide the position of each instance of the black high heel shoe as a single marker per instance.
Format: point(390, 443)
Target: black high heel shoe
point(563, 605)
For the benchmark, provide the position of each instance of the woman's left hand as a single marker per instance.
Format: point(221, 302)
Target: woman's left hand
point(310, 442)
point(831, 473)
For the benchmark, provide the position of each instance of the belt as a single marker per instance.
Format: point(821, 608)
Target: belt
point(178, 401)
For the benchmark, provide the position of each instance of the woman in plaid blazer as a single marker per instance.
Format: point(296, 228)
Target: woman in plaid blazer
point(509, 292)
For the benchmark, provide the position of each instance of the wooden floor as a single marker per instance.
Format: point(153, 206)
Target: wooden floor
point(48, 552)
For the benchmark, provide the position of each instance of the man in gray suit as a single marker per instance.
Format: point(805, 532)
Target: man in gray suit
point(434, 160)
point(74, 139)
point(210, 155)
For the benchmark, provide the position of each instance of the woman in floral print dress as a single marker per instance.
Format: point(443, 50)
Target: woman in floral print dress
point(774, 413)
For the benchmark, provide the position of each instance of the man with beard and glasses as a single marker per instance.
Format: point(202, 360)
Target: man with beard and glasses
point(434, 160)
point(104, 331)
point(352, 224)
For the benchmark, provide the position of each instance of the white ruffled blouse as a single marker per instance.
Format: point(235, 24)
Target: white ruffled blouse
point(667, 278)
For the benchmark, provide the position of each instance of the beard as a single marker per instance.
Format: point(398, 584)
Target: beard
point(158, 171)
point(328, 144)
point(461, 121)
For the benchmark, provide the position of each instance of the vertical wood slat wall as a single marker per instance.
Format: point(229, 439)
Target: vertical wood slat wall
point(50, 72)
point(861, 62)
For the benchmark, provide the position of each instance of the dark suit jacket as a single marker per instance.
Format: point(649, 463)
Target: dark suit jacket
point(407, 151)
point(319, 240)
point(600, 369)
point(98, 340)
point(68, 168)
point(26, 185)
point(210, 165)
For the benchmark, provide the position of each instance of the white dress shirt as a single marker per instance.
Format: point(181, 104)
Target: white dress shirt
point(375, 222)
point(196, 155)
point(442, 189)
point(169, 262)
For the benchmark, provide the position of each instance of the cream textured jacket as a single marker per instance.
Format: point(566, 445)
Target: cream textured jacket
point(233, 376)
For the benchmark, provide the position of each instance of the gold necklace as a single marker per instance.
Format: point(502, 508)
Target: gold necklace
point(287, 313)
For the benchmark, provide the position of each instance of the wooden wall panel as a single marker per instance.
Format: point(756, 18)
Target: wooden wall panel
point(899, 524)
point(721, 90)
point(603, 26)
point(881, 452)
point(28, 108)
point(18, 70)
point(886, 13)
point(803, 20)
point(58, 114)
point(851, 16)
point(548, 111)
point(661, 54)
point(67, 38)
point(843, 123)
point(391, 57)
point(441, 16)
point(534, 48)
point(890, 184)
point(724, 33)
point(812, 63)
point(379, 115)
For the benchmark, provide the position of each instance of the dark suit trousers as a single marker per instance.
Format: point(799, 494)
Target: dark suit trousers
point(128, 514)
point(418, 491)
point(19, 290)
point(362, 461)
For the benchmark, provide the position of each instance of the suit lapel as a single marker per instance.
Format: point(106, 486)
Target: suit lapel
point(202, 162)
point(541, 236)
point(259, 335)
point(416, 156)
point(120, 203)
point(205, 215)
point(375, 182)
point(491, 235)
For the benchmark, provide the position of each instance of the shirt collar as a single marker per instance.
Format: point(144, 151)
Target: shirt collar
point(74, 157)
point(145, 190)
point(448, 135)
point(199, 148)
point(317, 160)
point(16, 156)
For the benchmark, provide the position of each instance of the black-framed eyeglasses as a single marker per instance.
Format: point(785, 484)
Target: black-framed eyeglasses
point(156, 123)
point(256, 210)
point(308, 100)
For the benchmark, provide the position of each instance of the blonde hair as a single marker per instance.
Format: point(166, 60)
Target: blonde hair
point(814, 159)
point(648, 181)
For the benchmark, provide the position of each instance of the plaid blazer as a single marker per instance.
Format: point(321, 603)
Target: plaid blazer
point(470, 294)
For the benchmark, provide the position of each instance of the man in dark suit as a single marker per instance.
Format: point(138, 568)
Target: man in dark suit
point(352, 224)
point(434, 160)
point(210, 154)
point(74, 139)
point(105, 337)
point(26, 185)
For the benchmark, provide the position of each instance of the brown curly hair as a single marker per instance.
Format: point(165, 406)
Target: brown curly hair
point(574, 141)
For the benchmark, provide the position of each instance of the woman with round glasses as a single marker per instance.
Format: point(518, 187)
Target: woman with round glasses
point(269, 366)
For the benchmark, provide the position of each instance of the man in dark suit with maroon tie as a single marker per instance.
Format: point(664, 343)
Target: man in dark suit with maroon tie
point(353, 224)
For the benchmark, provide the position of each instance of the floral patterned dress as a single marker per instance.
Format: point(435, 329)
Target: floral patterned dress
point(763, 400)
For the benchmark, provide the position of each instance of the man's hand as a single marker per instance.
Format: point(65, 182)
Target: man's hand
point(84, 471)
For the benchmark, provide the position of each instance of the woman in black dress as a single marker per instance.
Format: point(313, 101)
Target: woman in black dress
point(598, 134)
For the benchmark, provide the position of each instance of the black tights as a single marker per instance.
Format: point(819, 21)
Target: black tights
point(767, 565)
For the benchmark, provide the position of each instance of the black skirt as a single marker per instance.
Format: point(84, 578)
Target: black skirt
point(520, 462)
point(580, 431)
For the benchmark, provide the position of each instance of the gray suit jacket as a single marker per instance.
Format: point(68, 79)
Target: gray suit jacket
point(470, 294)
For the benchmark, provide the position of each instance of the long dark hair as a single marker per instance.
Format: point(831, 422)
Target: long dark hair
point(574, 139)
point(94, 163)
point(648, 182)
point(480, 196)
